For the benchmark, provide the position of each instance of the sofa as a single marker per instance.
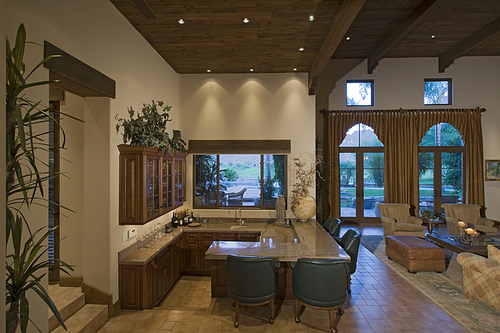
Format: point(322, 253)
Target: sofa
point(481, 276)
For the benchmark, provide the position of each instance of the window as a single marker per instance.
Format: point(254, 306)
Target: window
point(361, 174)
point(441, 167)
point(239, 180)
point(437, 92)
point(359, 92)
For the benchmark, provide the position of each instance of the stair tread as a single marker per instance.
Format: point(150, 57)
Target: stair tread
point(84, 316)
point(64, 296)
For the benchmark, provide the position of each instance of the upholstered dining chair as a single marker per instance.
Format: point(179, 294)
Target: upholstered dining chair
point(469, 214)
point(252, 281)
point(396, 220)
point(332, 226)
point(350, 244)
point(320, 284)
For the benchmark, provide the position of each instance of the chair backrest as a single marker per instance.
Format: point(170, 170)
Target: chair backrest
point(469, 213)
point(349, 234)
point(352, 248)
point(252, 279)
point(398, 211)
point(335, 230)
point(320, 282)
point(328, 224)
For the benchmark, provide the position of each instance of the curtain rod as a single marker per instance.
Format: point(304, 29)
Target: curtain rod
point(324, 111)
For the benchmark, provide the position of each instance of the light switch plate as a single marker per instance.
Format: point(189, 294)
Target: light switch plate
point(132, 232)
point(124, 236)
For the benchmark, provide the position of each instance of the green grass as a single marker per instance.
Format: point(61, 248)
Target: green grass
point(253, 172)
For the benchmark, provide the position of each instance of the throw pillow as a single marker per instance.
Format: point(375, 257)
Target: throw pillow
point(493, 253)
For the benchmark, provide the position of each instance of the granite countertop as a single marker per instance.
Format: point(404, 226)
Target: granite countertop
point(303, 239)
point(310, 241)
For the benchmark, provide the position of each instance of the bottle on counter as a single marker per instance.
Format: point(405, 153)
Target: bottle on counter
point(191, 218)
point(186, 219)
point(175, 223)
point(181, 222)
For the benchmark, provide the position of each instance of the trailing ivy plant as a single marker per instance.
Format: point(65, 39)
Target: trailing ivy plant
point(25, 265)
point(149, 128)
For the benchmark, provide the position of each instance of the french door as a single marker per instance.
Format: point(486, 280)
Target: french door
point(441, 171)
point(361, 183)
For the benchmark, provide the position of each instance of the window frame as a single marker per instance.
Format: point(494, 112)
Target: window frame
point(261, 205)
point(372, 101)
point(450, 90)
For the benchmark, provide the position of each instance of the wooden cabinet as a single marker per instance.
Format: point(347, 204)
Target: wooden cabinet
point(197, 244)
point(152, 183)
point(144, 286)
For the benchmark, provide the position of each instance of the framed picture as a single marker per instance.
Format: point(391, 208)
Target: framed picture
point(492, 170)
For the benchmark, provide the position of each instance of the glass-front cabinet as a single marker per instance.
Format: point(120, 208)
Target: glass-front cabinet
point(151, 183)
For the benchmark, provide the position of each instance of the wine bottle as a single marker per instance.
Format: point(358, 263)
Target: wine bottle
point(191, 218)
point(175, 223)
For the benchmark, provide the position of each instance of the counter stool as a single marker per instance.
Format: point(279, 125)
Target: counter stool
point(320, 284)
point(252, 281)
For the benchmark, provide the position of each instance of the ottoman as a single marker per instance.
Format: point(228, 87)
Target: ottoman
point(415, 254)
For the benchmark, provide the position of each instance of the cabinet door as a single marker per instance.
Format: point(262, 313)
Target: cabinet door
point(149, 297)
point(152, 181)
point(206, 265)
point(192, 255)
point(167, 184)
point(178, 181)
point(249, 237)
point(130, 286)
point(227, 236)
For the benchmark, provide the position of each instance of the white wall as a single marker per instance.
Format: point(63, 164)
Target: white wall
point(96, 33)
point(246, 107)
point(399, 84)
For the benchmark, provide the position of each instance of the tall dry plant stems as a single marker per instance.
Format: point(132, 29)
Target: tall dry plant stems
point(305, 175)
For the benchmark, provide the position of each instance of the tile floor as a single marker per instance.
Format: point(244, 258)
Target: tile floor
point(380, 301)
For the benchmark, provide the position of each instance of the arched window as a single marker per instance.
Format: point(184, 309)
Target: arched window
point(361, 174)
point(441, 167)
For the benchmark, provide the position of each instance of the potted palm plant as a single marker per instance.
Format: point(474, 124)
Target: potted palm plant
point(25, 262)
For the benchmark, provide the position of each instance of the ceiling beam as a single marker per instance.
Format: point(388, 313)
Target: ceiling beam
point(488, 32)
point(401, 32)
point(341, 23)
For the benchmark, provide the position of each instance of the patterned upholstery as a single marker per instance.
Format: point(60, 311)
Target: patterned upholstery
point(481, 279)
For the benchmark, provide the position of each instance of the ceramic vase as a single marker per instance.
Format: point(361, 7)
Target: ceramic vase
point(304, 207)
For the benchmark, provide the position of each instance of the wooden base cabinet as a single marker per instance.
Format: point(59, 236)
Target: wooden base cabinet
point(197, 244)
point(144, 286)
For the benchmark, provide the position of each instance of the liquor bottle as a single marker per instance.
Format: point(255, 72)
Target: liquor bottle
point(191, 218)
point(186, 219)
point(175, 223)
point(181, 222)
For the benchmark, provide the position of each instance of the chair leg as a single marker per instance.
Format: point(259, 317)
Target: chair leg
point(236, 321)
point(271, 305)
point(341, 312)
point(331, 317)
point(297, 319)
point(349, 284)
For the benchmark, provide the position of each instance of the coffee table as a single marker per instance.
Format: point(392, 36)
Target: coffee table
point(448, 242)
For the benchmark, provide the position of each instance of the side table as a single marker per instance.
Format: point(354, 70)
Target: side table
point(431, 223)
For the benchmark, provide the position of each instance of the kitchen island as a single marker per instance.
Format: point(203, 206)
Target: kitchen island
point(147, 274)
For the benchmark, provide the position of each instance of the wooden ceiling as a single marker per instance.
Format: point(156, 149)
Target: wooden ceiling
point(214, 36)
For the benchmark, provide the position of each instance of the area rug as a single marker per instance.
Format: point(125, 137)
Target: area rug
point(443, 290)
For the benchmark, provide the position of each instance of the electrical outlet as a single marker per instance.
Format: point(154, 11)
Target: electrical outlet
point(132, 232)
point(124, 236)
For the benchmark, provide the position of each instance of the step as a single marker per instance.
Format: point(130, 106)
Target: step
point(68, 301)
point(88, 319)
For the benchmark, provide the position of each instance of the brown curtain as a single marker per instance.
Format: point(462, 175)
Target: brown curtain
point(401, 132)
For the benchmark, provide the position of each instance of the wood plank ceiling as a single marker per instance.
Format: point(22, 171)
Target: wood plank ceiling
point(214, 36)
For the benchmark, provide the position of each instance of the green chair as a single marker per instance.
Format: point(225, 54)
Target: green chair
point(332, 226)
point(350, 243)
point(320, 284)
point(252, 281)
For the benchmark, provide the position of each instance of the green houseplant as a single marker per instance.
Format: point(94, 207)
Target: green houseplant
point(149, 128)
point(25, 263)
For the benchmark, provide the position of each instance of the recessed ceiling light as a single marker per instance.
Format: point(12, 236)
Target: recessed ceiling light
point(181, 21)
point(301, 49)
point(311, 18)
point(348, 38)
point(433, 36)
point(295, 69)
point(208, 70)
point(246, 20)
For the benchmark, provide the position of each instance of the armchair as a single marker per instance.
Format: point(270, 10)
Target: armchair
point(468, 214)
point(481, 276)
point(396, 220)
